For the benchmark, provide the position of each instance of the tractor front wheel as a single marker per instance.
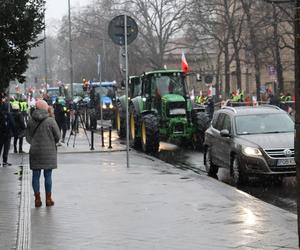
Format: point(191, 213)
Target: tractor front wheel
point(150, 134)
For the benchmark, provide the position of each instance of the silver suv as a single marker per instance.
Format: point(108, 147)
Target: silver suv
point(250, 141)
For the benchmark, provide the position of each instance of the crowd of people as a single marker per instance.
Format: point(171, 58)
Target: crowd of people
point(237, 98)
point(44, 127)
point(14, 115)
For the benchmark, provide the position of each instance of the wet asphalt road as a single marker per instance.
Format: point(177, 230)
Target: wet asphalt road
point(283, 196)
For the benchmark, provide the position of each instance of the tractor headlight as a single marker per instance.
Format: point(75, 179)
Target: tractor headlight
point(249, 151)
point(179, 111)
point(111, 106)
point(103, 106)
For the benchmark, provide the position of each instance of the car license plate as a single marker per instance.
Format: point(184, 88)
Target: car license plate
point(286, 162)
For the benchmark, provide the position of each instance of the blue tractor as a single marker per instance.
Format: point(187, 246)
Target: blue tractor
point(102, 99)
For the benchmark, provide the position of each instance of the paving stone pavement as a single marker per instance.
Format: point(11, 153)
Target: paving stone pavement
point(101, 204)
point(10, 187)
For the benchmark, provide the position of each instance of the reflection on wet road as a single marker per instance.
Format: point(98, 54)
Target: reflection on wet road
point(283, 196)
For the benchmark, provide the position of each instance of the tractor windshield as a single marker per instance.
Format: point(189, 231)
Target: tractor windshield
point(53, 92)
point(105, 91)
point(167, 84)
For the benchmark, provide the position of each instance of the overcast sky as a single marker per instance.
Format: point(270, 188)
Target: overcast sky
point(56, 9)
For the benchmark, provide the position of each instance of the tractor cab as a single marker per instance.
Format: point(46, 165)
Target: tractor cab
point(135, 86)
point(104, 94)
point(165, 92)
point(102, 99)
point(56, 92)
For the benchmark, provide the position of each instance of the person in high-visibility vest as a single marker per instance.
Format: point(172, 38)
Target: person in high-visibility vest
point(288, 97)
point(13, 101)
point(24, 108)
point(281, 97)
point(197, 99)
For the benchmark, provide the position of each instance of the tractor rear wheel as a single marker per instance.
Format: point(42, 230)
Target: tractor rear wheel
point(201, 122)
point(150, 134)
point(135, 141)
point(120, 123)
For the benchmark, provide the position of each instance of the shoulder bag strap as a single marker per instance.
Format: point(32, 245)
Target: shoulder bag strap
point(34, 131)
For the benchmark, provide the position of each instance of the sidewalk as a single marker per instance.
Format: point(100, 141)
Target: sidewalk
point(82, 143)
point(10, 188)
point(101, 204)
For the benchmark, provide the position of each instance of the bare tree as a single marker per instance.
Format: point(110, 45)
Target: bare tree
point(252, 41)
point(159, 21)
point(216, 20)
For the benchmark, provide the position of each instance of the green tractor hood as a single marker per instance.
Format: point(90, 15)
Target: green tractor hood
point(173, 98)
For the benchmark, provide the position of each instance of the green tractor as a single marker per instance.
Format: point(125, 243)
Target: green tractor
point(164, 111)
point(134, 90)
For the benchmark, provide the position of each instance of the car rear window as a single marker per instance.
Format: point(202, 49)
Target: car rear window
point(263, 124)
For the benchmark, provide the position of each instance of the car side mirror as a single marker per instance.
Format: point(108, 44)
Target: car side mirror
point(225, 133)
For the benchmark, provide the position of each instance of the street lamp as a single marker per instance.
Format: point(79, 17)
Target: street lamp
point(297, 95)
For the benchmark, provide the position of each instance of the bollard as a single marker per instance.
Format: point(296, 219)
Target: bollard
point(92, 139)
point(102, 136)
point(109, 138)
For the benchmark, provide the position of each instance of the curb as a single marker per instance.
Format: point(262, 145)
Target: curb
point(92, 151)
point(23, 237)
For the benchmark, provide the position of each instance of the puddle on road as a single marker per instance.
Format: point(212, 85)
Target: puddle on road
point(184, 178)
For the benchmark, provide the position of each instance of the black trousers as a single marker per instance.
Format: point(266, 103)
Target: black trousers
point(20, 143)
point(5, 145)
point(62, 128)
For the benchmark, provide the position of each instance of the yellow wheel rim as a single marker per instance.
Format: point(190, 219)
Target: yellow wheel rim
point(144, 135)
point(132, 126)
point(118, 121)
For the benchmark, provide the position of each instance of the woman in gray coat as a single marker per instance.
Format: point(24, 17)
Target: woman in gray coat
point(42, 134)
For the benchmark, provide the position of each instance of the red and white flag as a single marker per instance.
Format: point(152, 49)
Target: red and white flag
point(210, 91)
point(184, 64)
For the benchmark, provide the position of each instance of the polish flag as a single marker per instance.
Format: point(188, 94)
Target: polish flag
point(184, 64)
point(209, 91)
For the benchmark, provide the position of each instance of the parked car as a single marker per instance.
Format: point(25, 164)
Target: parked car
point(250, 141)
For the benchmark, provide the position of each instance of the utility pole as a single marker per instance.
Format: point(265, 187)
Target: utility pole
point(70, 50)
point(100, 81)
point(297, 107)
point(126, 90)
point(45, 52)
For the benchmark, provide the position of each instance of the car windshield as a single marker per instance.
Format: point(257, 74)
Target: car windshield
point(167, 84)
point(264, 124)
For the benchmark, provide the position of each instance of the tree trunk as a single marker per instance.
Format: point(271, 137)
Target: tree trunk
point(257, 76)
point(253, 45)
point(227, 69)
point(280, 80)
point(238, 69)
point(218, 72)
